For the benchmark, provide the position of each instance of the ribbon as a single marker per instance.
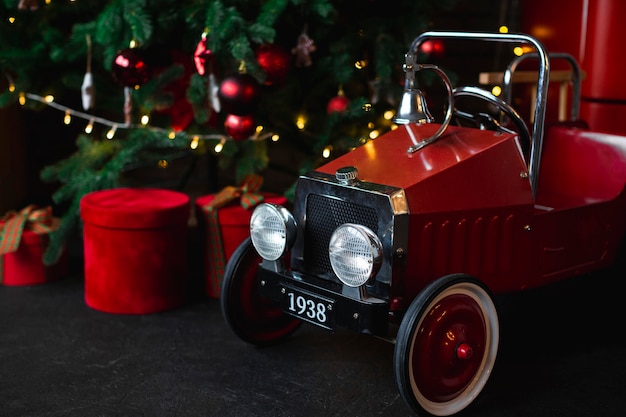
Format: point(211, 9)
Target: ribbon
point(12, 226)
point(248, 197)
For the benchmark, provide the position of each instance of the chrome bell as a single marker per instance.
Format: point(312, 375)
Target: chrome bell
point(413, 108)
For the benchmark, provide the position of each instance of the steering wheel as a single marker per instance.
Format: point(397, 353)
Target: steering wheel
point(487, 122)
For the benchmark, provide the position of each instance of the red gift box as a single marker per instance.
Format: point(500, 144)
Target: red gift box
point(135, 247)
point(23, 263)
point(226, 228)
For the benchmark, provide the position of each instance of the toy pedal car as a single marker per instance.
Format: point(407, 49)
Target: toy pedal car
point(410, 236)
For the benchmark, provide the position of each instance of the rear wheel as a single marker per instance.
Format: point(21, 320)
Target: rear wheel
point(446, 346)
point(253, 318)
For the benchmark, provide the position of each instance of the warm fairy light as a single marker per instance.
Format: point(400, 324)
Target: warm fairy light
point(111, 132)
point(67, 119)
point(11, 19)
point(22, 99)
point(275, 137)
point(48, 1)
point(367, 107)
point(194, 142)
point(496, 90)
point(11, 88)
point(145, 119)
point(326, 152)
point(360, 64)
point(301, 122)
point(371, 125)
point(162, 163)
point(394, 126)
point(503, 29)
point(374, 134)
point(49, 98)
point(132, 44)
point(219, 146)
point(89, 127)
point(518, 51)
point(171, 135)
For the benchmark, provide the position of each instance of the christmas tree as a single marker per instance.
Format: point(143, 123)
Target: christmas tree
point(155, 80)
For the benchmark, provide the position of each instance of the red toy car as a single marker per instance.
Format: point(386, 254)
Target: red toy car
point(410, 236)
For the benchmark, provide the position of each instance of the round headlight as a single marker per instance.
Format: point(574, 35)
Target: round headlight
point(272, 230)
point(355, 254)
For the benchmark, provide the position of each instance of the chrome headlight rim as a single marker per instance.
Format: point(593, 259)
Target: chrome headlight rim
point(355, 253)
point(272, 230)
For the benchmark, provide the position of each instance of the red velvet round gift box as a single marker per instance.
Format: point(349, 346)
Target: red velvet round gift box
point(234, 223)
point(135, 247)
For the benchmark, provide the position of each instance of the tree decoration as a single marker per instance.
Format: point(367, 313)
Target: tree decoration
point(130, 68)
point(31, 5)
point(202, 55)
point(87, 88)
point(239, 94)
point(275, 61)
point(339, 103)
point(240, 126)
point(433, 47)
point(303, 49)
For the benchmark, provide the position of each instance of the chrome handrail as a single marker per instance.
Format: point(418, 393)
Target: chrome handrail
point(542, 82)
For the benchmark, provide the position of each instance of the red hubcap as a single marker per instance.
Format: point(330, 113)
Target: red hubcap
point(449, 348)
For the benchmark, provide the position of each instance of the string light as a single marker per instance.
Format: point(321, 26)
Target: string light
point(326, 152)
point(89, 127)
point(301, 122)
point(111, 132)
point(194, 142)
point(496, 90)
point(503, 29)
point(113, 125)
point(219, 146)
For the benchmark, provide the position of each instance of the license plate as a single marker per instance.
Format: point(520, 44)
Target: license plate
point(309, 307)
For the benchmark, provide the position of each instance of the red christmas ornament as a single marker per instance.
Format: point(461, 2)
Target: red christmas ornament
point(275, 61)
point(337, 104)
point(240, 127)
point(239, 94)
point(130, 69)
point(433, 47)
point(202, 56)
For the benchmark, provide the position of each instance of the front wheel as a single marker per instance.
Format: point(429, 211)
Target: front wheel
point(252, 317)
point(446, 346)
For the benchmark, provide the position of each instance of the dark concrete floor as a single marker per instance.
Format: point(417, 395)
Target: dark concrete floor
point(562, 354)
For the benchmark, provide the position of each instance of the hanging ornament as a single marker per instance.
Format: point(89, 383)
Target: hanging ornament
point(433, 47)
point(339, 103)
point(202, 55)
point(214, 89)
point(239, 93)
point(31, 5)
point(276, 63)
point(130, 69)
point(87, 88)
point(303, 49)
point(240, 127)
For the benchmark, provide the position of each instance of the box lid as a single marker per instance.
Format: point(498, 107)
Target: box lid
point(135, 208)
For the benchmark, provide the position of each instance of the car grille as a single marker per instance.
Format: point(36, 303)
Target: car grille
point(323, 216)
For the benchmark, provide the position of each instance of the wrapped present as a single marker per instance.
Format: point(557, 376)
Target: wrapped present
point(135, 248)
point(23, 240)
point(224, 219)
